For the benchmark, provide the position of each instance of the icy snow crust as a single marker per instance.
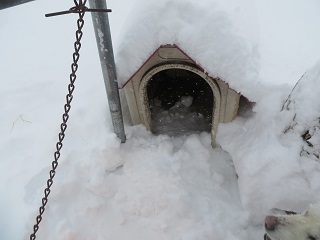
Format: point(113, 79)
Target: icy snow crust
point(156, 187)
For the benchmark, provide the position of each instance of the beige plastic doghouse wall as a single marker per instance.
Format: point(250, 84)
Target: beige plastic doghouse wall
point(134, 93)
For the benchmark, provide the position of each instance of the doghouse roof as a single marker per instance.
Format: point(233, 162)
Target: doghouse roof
point(207, 33)
point(157, 52)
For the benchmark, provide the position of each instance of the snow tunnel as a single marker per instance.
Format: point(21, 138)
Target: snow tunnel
point(171, 94)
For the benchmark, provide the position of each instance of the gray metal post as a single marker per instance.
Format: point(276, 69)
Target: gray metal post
point(104, 43)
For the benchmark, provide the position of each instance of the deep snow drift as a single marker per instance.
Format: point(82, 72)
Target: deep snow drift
point(210, 38)
point(302, 110)
point(286, 173)
point(157, 187)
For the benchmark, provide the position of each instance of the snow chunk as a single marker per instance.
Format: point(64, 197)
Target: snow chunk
point(186, 101)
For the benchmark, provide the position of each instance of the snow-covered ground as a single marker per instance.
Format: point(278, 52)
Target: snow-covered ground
point(157, 187)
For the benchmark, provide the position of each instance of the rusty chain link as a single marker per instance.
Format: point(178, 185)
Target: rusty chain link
point(80, 9)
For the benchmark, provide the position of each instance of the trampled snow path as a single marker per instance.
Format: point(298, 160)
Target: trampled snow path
point(152, 187)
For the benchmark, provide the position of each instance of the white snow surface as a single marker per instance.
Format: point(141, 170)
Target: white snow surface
point(210, 37)
point(158, 187)
point(283, 174)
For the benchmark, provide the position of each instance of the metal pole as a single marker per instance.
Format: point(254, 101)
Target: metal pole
point(11, 3)
point(104, 43)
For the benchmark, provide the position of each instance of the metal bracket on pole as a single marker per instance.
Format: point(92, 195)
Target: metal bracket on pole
point(104, 43)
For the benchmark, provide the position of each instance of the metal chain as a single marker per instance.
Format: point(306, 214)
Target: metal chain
point(80, 9)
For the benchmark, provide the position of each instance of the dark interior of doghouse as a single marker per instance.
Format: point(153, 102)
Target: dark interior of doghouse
point(180, 102)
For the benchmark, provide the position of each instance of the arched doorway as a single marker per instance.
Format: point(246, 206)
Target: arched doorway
point(179, 98)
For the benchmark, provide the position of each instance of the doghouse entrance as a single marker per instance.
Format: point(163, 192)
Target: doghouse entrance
point(170, 93)
point(180, 102)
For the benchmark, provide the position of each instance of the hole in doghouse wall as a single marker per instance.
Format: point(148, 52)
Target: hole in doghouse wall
point(180, 101)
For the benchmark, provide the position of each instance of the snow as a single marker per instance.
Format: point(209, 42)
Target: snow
point(180, 119)
point(289, 165)
point(159, 187)
point(212, 40)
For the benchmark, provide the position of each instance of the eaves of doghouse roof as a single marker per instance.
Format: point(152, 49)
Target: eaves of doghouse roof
point(155, 52)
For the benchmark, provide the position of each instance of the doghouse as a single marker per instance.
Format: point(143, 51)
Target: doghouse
point(170, 89)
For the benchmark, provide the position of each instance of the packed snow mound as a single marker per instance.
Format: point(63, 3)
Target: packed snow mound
point(274, 150)
point(303, 100)
point(302, 109)
point(210, 33)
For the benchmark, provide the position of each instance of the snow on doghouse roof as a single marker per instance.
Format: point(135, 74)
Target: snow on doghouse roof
point(222, 40)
